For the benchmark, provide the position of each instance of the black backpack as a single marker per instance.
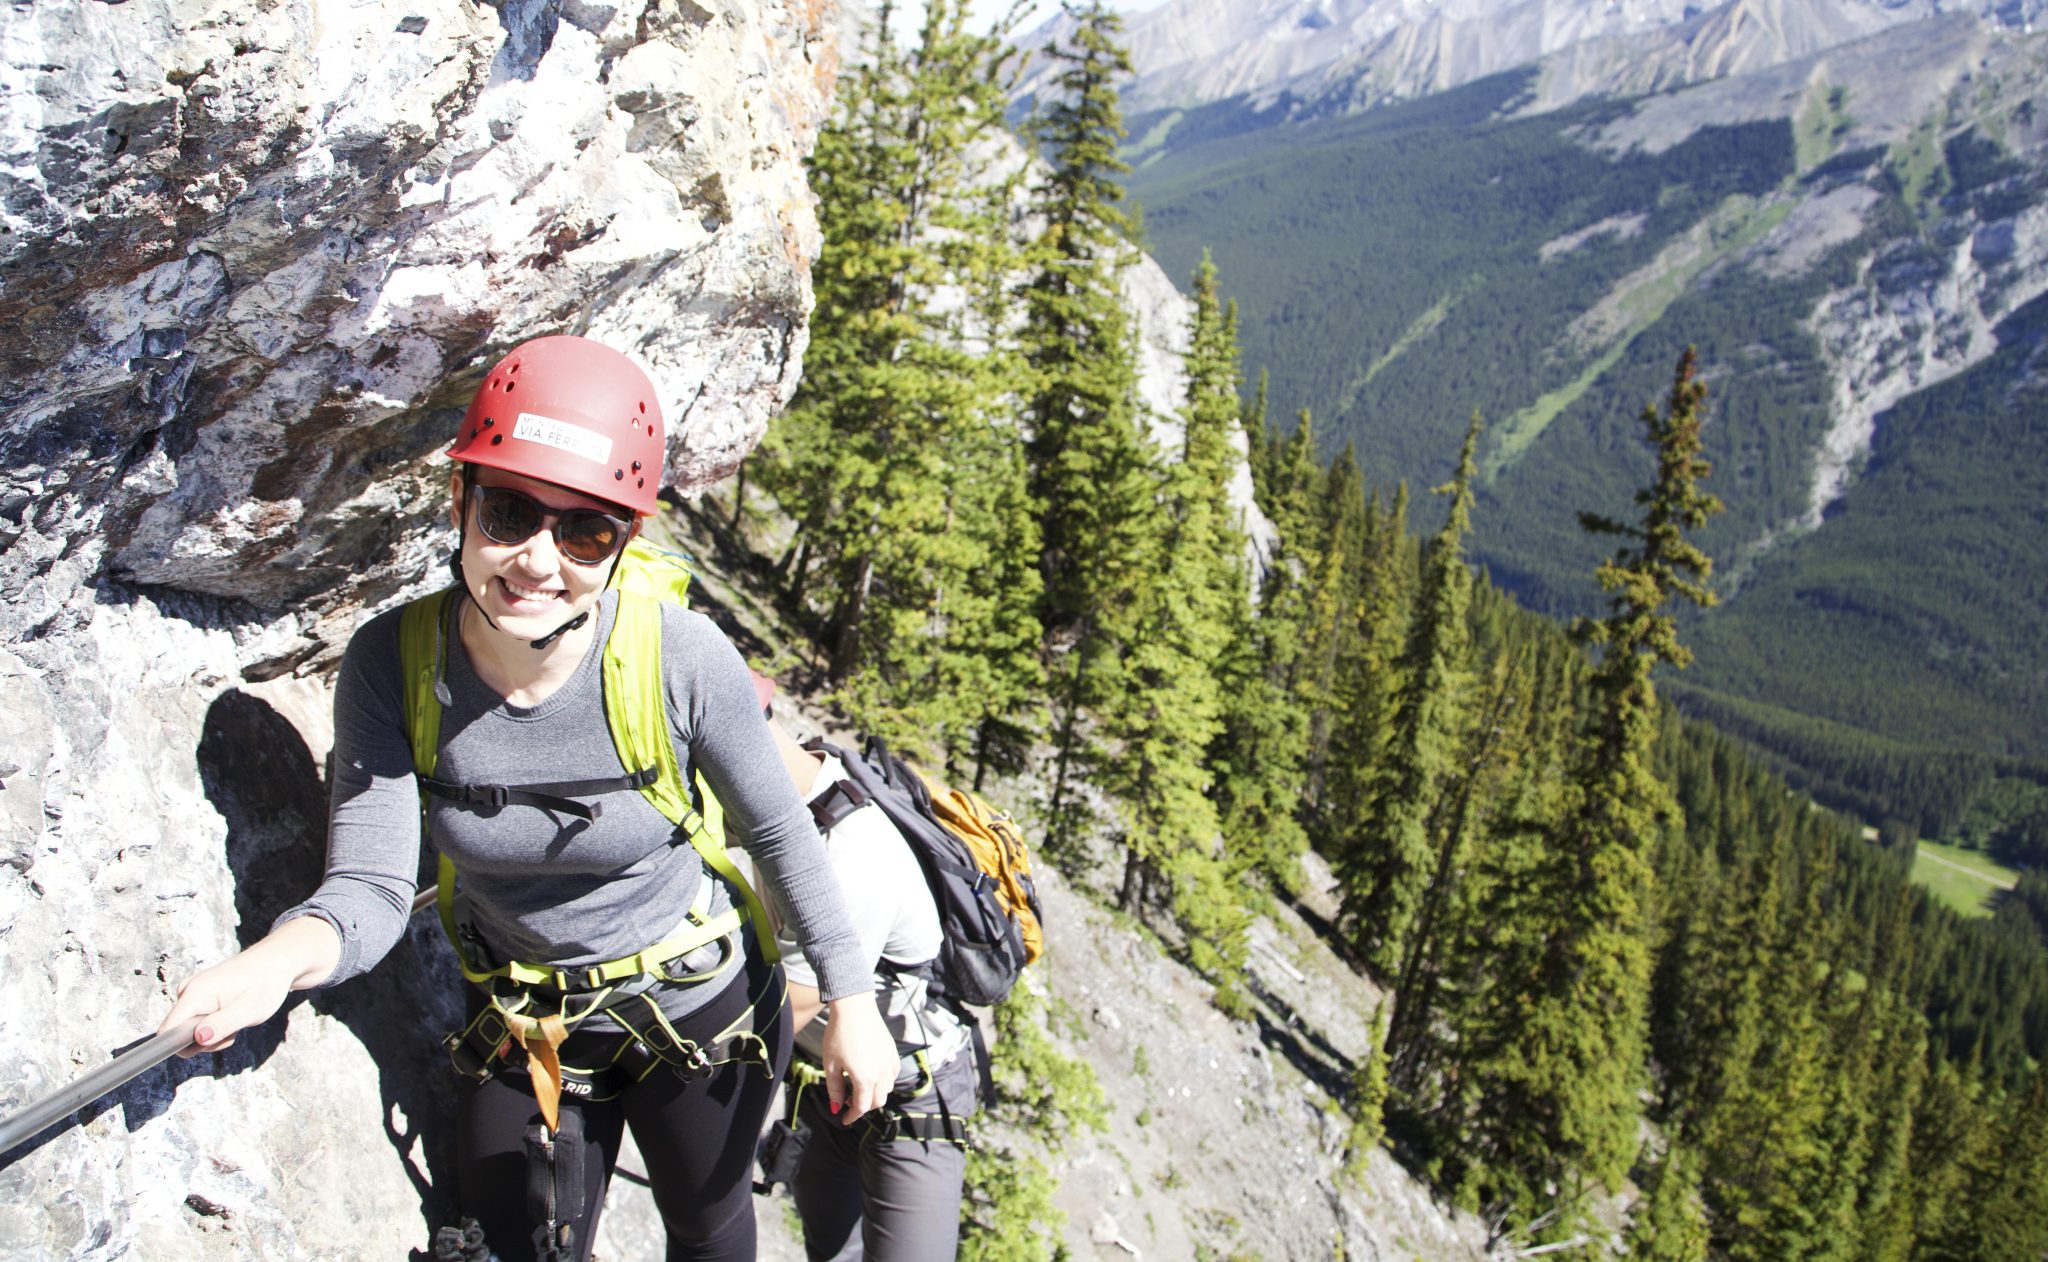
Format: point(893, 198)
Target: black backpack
point(989, 913)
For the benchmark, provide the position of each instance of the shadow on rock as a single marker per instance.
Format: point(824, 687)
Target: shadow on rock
point(260, 775)
point(1304, 1047)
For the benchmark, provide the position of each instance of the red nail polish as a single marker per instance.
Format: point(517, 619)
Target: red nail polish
point(836, 1107)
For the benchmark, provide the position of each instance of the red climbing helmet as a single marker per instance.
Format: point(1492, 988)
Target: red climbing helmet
point(573, 412)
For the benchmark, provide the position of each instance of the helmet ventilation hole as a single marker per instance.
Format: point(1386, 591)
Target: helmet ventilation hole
point(496, 439)
point(618, 475)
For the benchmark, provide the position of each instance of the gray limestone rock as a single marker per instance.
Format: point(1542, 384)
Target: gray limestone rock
point(252, 259)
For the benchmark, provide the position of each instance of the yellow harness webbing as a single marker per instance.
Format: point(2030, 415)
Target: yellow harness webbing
point(636, 713)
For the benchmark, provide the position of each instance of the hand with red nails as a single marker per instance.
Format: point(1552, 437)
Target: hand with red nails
point(860, 1059)
point(248, 988)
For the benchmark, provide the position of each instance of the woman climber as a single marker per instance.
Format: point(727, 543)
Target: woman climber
point(560, 733)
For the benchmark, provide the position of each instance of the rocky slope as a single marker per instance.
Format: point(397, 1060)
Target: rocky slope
point(1925, 303)
point(253, 255)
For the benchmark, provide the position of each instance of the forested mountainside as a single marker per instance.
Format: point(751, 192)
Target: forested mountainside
point(1639, 992)
point(1853, 240)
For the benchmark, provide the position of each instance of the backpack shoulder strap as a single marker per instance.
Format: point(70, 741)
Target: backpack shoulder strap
point(420, 644)
point(636, 709)
point(422, 640)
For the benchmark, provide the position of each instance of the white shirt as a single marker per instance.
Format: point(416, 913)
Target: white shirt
point(895, 921)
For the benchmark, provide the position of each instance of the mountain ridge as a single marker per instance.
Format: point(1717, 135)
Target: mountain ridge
point(1342, 56)
point(1839, 232)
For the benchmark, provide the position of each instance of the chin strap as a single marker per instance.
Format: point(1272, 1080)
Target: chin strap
point(462, 580)
point(562, 630)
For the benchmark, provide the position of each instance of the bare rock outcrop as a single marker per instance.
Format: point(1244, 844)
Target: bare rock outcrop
point(1919, 313)
point(254, 256)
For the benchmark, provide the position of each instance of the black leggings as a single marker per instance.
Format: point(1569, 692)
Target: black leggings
point(697, 1137)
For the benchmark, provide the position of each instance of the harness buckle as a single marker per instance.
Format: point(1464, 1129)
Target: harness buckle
point(485, 794)
point(465, 1059)
point(696, 1062)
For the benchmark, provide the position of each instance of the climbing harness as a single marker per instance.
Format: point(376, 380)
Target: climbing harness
point(495, 1039)
point(780, 1152)
point(507, 1026)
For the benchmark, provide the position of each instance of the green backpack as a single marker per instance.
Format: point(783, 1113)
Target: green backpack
point(637, 713)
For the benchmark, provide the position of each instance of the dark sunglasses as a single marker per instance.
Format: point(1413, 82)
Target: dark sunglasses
point(584, 535)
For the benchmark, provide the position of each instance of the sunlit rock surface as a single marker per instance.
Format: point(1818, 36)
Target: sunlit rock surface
point(252, 258)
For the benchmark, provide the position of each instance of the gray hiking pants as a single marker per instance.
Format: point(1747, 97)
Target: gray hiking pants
point(864, 1197)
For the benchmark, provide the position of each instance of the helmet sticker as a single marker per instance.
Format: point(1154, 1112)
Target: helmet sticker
point(563, 436)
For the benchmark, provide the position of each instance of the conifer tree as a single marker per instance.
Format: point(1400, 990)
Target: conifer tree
point(1335, 585)
point(1366, 677)
point(1431, 962)
point(1087, 462)
point(1553, 1109)
point(2002, 1207)
point(1092, 476)
point(885, 458)
point(1167, 707)
point(1368, 1098)
point(1768, 1140)
point(1256, 757)
point(1390, 853)
point(1669, 1224)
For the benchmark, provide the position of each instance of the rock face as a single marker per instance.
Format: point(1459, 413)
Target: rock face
point(1920, 312)
point(255, 256)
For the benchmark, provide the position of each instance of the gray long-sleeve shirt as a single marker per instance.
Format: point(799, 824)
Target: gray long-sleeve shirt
point(551, 888)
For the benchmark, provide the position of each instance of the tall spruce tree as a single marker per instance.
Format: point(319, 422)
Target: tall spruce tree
point(1259, 754)
point(1091, 470)
point(1167, 708)
point(1668, 1224)
point(902, 497)
point(1436, 962)
point(1389, 855)
point(1366, 680)
point(1249, 760)
point(1553, 1110)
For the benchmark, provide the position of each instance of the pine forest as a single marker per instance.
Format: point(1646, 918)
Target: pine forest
point(1643, 989)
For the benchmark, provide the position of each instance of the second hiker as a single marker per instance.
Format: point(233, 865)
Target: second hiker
point(887, 1187)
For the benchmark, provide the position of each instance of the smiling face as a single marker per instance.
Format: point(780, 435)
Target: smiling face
point(527, 589)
